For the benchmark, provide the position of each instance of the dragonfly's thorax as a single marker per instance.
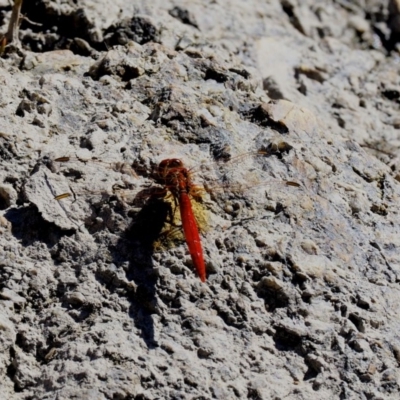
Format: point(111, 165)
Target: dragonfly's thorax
point(173, 175)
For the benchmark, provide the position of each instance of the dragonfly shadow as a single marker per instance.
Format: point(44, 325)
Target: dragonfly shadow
point(138, 243)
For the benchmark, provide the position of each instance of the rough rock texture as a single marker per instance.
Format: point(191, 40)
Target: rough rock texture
point(303, 291)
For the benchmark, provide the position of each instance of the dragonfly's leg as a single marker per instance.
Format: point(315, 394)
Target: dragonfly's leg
point(171, 215)
point(172, 231)
point(197, 192)
point(174, 209)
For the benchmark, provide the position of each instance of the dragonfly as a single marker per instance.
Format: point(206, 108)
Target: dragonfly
point(176, 179)
point(173, 174)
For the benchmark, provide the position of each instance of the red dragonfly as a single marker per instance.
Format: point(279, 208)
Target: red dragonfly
point(176, 179)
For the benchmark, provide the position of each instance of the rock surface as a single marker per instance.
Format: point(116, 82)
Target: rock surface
point(303, 292)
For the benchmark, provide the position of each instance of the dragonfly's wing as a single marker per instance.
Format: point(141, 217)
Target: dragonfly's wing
point(243, 188)
point(244, 172)
point(121, 167)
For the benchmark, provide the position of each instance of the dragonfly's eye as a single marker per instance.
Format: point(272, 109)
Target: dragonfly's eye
point(170, 163)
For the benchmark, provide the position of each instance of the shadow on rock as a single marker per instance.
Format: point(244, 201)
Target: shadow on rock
point(138, 243)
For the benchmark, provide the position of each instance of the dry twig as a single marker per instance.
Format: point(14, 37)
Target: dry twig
point(12, 33)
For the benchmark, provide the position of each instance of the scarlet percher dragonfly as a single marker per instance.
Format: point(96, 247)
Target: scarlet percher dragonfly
point(176, 179)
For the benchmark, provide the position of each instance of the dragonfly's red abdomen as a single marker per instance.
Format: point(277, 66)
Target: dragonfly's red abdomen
point(176, 179)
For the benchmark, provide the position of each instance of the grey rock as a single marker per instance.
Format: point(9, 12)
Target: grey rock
point(286, 114)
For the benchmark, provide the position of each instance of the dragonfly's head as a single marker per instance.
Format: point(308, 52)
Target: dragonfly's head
point(171, 171)
point(170, 164)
